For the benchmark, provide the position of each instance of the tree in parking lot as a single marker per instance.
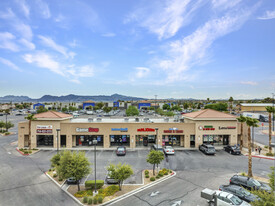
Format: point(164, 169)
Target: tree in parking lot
point(31, 118)
point(100, 105)
point(107, 109)
point(166, 107)
point(241, 119)
point(155, 157)
point(266, 199)
point(74, 165)
point(120, 172)
point(41, 109)
point(269, 110)
point(8, 125)
point(250, 123)
point(2, 125)
point(132, 111)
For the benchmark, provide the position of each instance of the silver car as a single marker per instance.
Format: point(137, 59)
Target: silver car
point(168, 150)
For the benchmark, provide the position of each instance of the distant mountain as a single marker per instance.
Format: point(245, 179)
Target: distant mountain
point(70, 98)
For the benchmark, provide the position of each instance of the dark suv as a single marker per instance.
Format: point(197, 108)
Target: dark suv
point(232, 149)
point(240, 192)
point(207, 149)
point(249, 183)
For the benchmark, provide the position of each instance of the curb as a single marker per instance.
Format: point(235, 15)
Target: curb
point(138, 190)
point(268, 158)
point(21, 152)
point(53, 180)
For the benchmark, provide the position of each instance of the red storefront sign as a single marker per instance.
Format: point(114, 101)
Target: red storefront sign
point(172, 131)
point(208, 128)
point(93, 129)
point(146, 130)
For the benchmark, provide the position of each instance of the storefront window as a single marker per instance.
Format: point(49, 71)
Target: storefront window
point(171, 140)
point(145, 140)
point(117, 140)
point(216, 139)
point(87, 140)
point(44, 140)
point(192, 141)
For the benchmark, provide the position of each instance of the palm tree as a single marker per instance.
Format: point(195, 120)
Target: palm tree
point(30, 117)
point(269, 110)
point(250, 123)
point(241, 119)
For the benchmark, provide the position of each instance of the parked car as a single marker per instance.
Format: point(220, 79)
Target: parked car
point(207, 149)
point(121, 150)
point(168, 150)
point(1, 114)
point(71, 181)
point(225, 198)
point(110, 180)
point(240, 192)
point(249, 183)
point(157, 147)
point(232, 149)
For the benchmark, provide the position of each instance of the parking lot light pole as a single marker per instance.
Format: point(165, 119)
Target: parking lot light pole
point(157, 137)
point(273, 111)
point(57, 147)
point(6, 121)
point(95, 143)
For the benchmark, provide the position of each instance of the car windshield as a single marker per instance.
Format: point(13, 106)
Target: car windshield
point(234, 147)
point(236, 200)
point(255, 182)
point(121, 149)
point(245, 192)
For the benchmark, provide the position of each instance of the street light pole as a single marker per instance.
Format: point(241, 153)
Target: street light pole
point(157, 137)
point(95, 143)
point(273, 111)
point(57, 142)
point(155, 104)
point(6, 121)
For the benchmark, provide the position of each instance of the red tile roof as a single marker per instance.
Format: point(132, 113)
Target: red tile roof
point(52, 114)
point(208, 113)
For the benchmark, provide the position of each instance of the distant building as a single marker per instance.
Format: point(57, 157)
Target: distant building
point(37, 105)
point(254, 107)
point(87, 104)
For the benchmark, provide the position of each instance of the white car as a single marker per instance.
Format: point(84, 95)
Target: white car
point(89, 112)
point(227, 199)
point(168, 150)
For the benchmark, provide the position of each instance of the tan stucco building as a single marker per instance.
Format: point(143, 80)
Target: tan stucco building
point(254, 107)
point(205, 126)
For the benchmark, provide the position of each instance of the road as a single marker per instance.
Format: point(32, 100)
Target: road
point(260, 137)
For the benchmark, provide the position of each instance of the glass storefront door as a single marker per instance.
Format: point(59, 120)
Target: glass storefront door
point(171, 140)
point(216, 139)
point(145, 140)
point(120, 140)
point(44, 140)
point(87, 140)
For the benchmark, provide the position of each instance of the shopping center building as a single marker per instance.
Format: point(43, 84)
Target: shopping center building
point(191, 130)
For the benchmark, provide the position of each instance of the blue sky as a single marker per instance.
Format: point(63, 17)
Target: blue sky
point(173, 49)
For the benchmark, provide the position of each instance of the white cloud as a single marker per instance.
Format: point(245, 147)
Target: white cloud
point(268, 15)
point(75, 81)
point(24, 7)
point(224, 4)
point(10, 64)
point(165, 20)
point(249, 83)
point(44, 9)
point(109, 34)
point(193, 49)
point(59, 18)
point(141, 72)
point(47, 41)
point(7, 41)
point(7, 15)
point(73, 44)
point(28, 44)
point(82, 71)
point(24, 30)
point(44, 60)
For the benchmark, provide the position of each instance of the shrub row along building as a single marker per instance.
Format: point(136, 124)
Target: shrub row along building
point(193, 129)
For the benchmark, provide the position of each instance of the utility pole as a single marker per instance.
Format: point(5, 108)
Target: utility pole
point(57, 142)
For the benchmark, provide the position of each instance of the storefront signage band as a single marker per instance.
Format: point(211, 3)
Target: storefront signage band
point(146, 130)
point(90, 129)
point(120, 129)
point(227, 127)
point(44, 129)
point(206, 127)
point(172, 131)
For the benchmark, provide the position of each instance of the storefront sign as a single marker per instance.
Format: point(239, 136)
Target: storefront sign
point(44, 129)
point(120, 129)
point(172, 131)
point(146, 130)
point(90, 129)
point(227, 127)
point(206, 127)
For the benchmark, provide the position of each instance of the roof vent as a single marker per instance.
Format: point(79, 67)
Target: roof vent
point(126, 119)
point(90, 119)
point(166, 119)
point(98, 119)
point(146, 119)
point(137, 119)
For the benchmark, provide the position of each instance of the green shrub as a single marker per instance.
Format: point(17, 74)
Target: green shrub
point(269, 154)
point(30, 151)
point(35, 149)
point(157, 176)
point(53, 169)
point(95, 200)
point(100, 191)
point(26, 152)
point(50, 169)
point(21, 149)
point(90, 201)
point(152, 179)
point(89, 192)
point(243, 174)
point(160, 174)
point(60, 179)
point(170, 171)
point(90, 184)
point(166, 173)
point(164, 170)
point(266, 146)
point(146, 172)
point(7, 133)
point(147, 176)
point(85, 199)
point(54, 175)
point(100, 199)
point(110, 190)
point(81, 194)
